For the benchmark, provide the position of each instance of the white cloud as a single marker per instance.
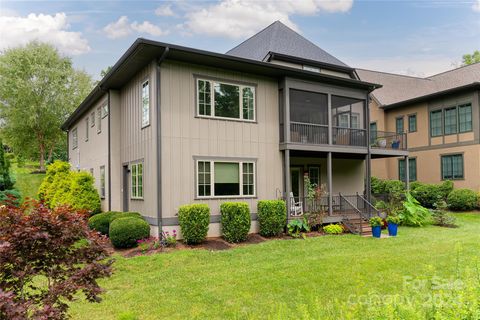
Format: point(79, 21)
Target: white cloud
point(45, 28)
point(122, 28)
point(242, 18)
point(165, 11)
point(476, 6)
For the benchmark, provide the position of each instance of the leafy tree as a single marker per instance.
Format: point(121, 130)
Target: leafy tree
point(39, 88)
point(6, 180)
point(47, 257)
point(471, 58)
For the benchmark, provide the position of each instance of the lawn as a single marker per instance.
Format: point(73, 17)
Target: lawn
point(280, 278)
point(26, 181)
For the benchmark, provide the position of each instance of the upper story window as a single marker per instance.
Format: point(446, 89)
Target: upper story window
point(465, 117)
point(399, 125)
point(145, 104)
point(104, 110)
point(99, 120)
point(92, 119)
point(436, 123)
point(74, 138)
point(102, 182)
point(412, 123)
point(137, 180)
point(225, 100)
point(86, 129)
point(457, 119)
point(450, 120)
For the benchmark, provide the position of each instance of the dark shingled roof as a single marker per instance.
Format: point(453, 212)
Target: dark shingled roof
point(278, 38)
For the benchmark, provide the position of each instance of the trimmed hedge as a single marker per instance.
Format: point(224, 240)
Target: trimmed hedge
point(272, 217)
point(125, 232)
point(194, 220)
point(429, 194)
point(235, 221)
point(83, 195)
point(101, 222)
point(462, 199)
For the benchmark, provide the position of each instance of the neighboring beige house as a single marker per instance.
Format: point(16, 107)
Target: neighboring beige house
point(172, 125)
point(440, 116)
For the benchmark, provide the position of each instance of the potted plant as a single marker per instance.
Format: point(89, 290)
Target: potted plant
point(376, 224)
point(382, 143)
point(393, 222)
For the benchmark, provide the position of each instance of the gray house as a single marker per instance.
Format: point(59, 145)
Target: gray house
point(171, 125)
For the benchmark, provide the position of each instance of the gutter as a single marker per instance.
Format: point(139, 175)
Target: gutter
point(109, 155)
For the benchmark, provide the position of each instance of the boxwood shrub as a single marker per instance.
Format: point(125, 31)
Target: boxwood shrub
point(272, 217)
point(194, 220)
point(462, 199)
point(235, 221)
point(125, 232)
point(101, 222)
point(429, 194)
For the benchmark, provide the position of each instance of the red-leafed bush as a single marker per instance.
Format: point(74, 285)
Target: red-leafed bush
point(46, 257)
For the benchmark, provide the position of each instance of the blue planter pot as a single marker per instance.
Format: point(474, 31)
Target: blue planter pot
point(392, 229)
point(377, 231)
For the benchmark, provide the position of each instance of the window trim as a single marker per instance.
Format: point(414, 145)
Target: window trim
point(441, 123)
point(399, 175)
point(87, 127)
point(143, 126)
point(74, 138)
point(93, 117)
point(451, 155)
point(105, 106)
point(99, 120)
point(412, 115)
point(240, 163)
point(403, 124)
point(136, 163)
point(102, 182)
point(445, 120)
point(469, 104)
point(239, 84)
point(315, 166)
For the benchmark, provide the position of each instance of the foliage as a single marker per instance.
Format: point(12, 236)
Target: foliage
point(414, 214)
point(46, 192)
point(125, 232)
point(6, 180)
point(171, 239)
point(101, 222)
point(10, 197)
point(272, 217)
point(441, 217)
point(376, 222)
point(194, 220)
point(297, 227)
point(39, 89)
point(471, 58)
point(462, 199)
point(333, 229)
point(394, 219)
point(83, 195)
point(394, 189)
point(314, 218)
point(428, 194)
point(235, 221)
point(54, 245)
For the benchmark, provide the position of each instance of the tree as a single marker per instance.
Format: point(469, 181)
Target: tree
point(39, 89)
point(471, 58)
point(47, 257)
point(6, 180)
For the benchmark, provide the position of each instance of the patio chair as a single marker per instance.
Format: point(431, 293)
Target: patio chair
point(296, 208)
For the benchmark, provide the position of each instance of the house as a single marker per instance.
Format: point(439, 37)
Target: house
point(171, 125)
point(441, 119)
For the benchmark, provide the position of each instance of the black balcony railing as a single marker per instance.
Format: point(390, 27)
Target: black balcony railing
point(349, 136)
point(308, 133)
point(388, 140)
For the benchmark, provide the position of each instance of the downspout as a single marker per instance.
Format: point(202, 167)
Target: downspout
point(109, 155)
point(369, 153)
point(159, 140)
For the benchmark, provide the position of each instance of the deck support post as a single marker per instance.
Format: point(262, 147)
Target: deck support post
point(329, 183)
point(286, 154)
point(407, 174)
point(368, 179)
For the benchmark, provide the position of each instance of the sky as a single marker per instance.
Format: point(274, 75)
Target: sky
point(411, 37)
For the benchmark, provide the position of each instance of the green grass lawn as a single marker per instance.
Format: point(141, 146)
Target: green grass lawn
point(27, 182)
point(256, 281)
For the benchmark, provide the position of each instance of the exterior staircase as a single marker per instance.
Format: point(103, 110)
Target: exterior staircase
point(357, 212)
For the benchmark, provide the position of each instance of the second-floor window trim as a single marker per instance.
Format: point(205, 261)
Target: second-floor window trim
point(412, 122)
point(74, 138)
point(87, 127)
point(399, 128)
point(99, 119)
point(102, 182)
point(225, 100)
point(451, 120)
point(145, 103)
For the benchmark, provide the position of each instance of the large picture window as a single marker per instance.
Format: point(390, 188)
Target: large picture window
point(137, 180)
point(225, 100)
point(225, 178)
point(452, 167)
point(145, 104)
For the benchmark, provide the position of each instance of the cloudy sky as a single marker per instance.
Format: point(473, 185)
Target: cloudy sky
point(414, 37)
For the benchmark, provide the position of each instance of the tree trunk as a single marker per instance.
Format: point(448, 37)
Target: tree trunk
point(42, 157)
point(50, 153)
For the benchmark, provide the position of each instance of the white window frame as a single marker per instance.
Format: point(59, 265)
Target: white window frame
point(74, 138)
point(102, 182)
point(99, 120)
point(212, 179)
point(145, 121)
point(104, 110)
point(136, 196)
point(87, 127)
point(212, 100)
point(93, 117)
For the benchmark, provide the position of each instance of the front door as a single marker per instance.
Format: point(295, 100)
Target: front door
point(126, 189)
point(296, 181)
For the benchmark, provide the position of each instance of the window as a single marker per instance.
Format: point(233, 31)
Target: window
point(225, 179)
point(137, 180)
point(343, 120)
point(412, 123)
point(452, 167)
point(104, 110)
point(99, 120)
point(399, 125)
point(465, 117)
point(450, 120)
point(355, 121)
point(412, 169)
point(314, 175)
point(373, 132)
point(145, 104)
point(74, 138)
point(436, 123)
point(228, 100)
point(92, 119)
point(86, 129)
point(102, 182)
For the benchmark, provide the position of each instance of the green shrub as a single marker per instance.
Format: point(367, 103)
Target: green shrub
point(445, 188)
point(101, 222)
point(462, 199)
point(377, 185)
point(333, 229)
point(6, 180)
point(194, 220)
point(82, 194)
point(394, 219)
point(125, 232)
point(376, 222)
point(45, 192)
point(441, 217)
point(272, 217)
point(297, 227)
point(414, 214)
point(429, 194)
point(235, 221)
point(10, 197)
point(392, 188)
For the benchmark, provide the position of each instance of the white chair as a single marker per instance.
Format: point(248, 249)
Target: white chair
point(296, 208)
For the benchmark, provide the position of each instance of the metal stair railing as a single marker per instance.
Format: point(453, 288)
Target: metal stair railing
point(344, 205)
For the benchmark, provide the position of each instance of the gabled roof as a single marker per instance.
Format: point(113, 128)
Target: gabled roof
point(280, 39)
point(399, 90)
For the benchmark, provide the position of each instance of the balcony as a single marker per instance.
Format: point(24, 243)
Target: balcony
point(388, 140)
point(317, 134)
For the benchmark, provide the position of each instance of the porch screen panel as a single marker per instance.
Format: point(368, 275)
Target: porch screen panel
point(308, 107)
point(227, 179)
point(348, 112)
